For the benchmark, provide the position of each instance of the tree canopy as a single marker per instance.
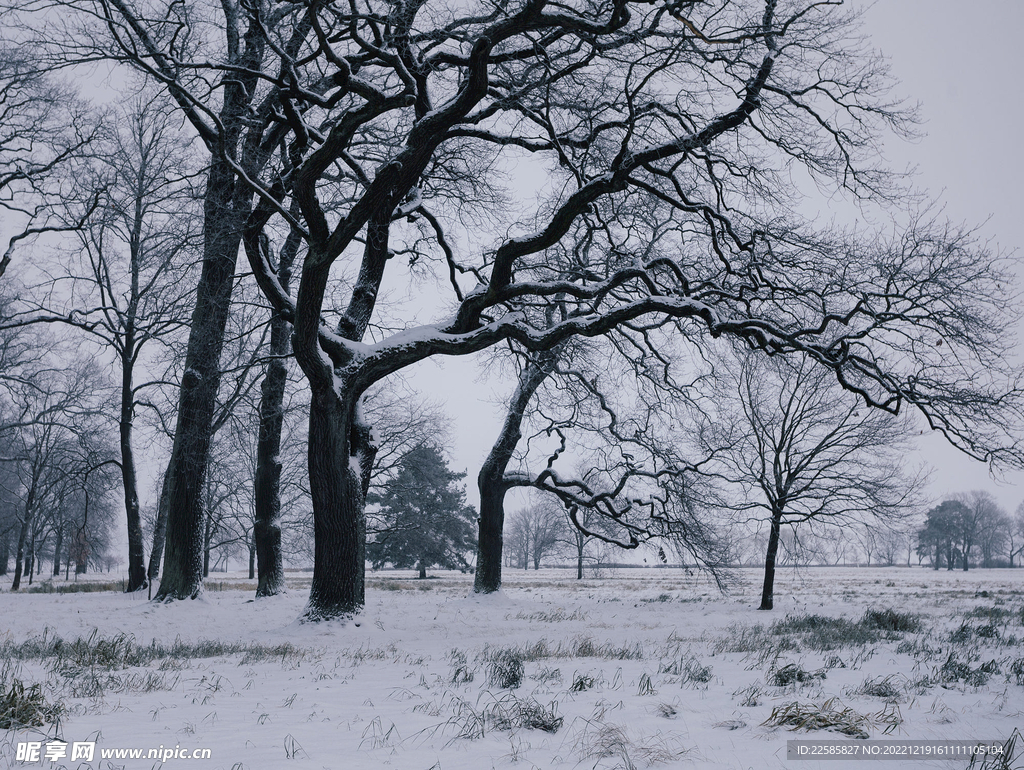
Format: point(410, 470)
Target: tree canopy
point(426, 521)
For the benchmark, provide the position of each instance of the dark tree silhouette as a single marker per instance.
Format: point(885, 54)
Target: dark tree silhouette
point(427, 521)
point(797, 449)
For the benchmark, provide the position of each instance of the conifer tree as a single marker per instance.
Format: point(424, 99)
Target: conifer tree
point(426, 521)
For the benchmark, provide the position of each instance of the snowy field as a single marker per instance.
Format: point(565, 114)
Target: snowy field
point(628, 669)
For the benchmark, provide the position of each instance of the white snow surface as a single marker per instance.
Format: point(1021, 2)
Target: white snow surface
point(387, 689)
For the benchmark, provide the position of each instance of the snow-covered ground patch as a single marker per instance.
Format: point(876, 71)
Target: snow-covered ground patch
point(633, 669)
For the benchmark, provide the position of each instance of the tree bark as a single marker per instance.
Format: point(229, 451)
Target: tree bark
point(159, 528)
point(58, 546)
point(193, 435)
point(207, 537)
point(340, 459)
point(491, 480)
point(5, 553)
point(136, 552)
point(227, 204)
point(423, 570)
point(26, 523)
point(768, 590)
point(267, 526)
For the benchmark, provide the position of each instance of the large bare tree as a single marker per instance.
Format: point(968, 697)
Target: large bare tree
point(381, 120)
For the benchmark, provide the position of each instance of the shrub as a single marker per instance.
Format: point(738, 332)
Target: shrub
point(956, 670)
point(880, 687)
point(1017, 670)
point(822, 633)
point(581, 683)
point(511, 713)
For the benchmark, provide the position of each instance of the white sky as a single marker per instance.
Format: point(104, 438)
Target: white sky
point(963, 64)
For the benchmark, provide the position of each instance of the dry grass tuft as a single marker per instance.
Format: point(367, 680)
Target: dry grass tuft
point(830, 715)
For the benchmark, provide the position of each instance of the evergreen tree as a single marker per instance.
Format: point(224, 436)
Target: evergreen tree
point(426, 521)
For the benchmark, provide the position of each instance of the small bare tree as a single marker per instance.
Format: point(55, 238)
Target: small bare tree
point(795, 449)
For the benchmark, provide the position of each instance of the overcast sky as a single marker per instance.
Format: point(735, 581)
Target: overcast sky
point(963, 64)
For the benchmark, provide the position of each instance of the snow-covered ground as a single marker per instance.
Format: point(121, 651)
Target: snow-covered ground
point(629, 669)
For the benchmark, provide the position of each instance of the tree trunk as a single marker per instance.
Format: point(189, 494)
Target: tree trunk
point(252, 561)
point(19, 555)
point(57, 547)
point(423, 570)
point(267, 526)
point(768, 590)
point(5, 553)
point(207, 537)
point(579, 563)
point(226, 207)
point(136, 552)
point(491, 480)
point(159, 528)
point(491, 523)
point(340, 458)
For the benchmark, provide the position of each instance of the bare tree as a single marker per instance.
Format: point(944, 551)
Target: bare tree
point(980, 515)
point(43, 129)
point(796, 449)
point(578, 543)
point(1015, 534)
point(535, 531)
point(494, 481)
point(128, 288)
point(366, 119)
point(56, 448)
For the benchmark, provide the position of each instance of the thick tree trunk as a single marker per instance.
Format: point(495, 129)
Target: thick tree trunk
point(267, 526)
point(193, 435)
point(226, 207)
point(768, 590)
point(5, 553)
point(423, 570)
point(340, 459)
point(580, 545)
point(491, 523)
point(491, 480)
